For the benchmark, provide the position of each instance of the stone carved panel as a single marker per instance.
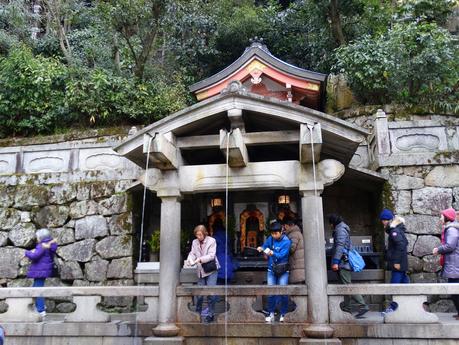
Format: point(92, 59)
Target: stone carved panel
point(7, 163)
point(100, 159)
point(46, 161)
point(423, 139)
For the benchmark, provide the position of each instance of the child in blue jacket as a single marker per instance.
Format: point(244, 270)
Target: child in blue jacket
point(277, 248)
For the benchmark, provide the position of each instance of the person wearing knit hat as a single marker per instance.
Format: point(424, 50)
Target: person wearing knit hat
point(386, 215)
point(449, 251)
point(396, 252)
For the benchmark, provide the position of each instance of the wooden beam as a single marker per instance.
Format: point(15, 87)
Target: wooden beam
point(237, 151)
point(250, 139)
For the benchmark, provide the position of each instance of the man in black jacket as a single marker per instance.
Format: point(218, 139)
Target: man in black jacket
point(341, 245)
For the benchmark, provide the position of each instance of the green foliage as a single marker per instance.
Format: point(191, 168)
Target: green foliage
point(425, 10)
point(154, 241)
point(31, 92)
point(413, 63)
point(130, 61)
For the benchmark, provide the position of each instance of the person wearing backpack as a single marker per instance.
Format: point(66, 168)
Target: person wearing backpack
point(276, 248)
point(449, 251)
point(340, 263)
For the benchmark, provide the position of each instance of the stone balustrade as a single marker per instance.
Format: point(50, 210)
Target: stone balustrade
point(86, 299)
point(241, 301)
point(409, 297)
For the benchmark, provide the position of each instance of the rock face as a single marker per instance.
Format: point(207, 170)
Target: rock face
point(3, 238)
point(80, 216)
point(23, 235)
point(63, 235)
point(121, 224)
point(96, 271)
point(28, 196)
point(70, 270)
point(120, 268)
point(423, 225)
point(401, 182)
point(62, 194)
point(402, 202)
point(52, 216)
point(430, 200)
point(114, 247)
point(6, 195)
point(91, 227)
point(116, 204)
point(9, 217)
point(411, 241)
point(425, 244)
point(443, 176)
point(79, 209)
point(81, 251)
point(10, 259)
point(431, 263)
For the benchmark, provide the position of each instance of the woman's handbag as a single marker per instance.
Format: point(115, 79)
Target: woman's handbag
point(280, 269)
point(209, 266)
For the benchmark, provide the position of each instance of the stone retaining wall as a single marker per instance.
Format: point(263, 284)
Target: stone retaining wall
point(86, 207)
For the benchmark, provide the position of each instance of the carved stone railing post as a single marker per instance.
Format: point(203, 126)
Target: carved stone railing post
point(86, 310)
point(19, 310)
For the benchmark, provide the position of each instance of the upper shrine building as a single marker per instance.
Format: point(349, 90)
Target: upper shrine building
point(262, 73)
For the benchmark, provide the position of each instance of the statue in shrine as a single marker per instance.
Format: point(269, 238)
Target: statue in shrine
point(252, 225)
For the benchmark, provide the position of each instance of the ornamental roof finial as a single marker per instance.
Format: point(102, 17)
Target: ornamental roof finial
point(258, 42)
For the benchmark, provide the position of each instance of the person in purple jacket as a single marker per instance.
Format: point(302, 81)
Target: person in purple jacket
point(42, 258)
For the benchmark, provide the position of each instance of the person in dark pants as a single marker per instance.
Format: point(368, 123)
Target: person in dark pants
point(204, 250)
point(396, 254)
point(449, 251)
point(42, 258)
point(276, 248)
point(341, 245)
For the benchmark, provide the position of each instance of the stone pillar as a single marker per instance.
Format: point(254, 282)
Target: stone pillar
point(315, 265)
point(169, 272)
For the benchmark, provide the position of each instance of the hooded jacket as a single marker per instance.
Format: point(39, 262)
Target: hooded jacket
point(451, 250)
point(397, 245)
point(296, 258)
point(341, 245)
point(42, 260)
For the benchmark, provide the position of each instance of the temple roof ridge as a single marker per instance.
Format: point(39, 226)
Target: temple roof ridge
point(257, 49)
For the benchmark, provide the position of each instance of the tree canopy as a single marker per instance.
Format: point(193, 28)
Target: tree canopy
point(87, 63)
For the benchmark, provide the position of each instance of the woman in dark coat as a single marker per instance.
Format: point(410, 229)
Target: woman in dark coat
point(449, 250)
point(42, 258)
point(397, 253)
point(226, 271)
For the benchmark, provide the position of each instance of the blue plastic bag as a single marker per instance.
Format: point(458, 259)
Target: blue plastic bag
point(355, 260)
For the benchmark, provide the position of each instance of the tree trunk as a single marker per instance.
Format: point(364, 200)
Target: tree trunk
point(337, 29)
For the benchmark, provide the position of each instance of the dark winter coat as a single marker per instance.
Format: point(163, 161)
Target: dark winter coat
point(397, 245)
point(224, 256)
point(341, 244)
point(451, 251)
point(42, 260)
point(296, 258)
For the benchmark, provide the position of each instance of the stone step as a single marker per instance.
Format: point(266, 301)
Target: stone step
point(164, 341)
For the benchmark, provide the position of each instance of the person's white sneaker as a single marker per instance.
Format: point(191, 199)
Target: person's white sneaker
point(281, 319)
point(270, 318)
